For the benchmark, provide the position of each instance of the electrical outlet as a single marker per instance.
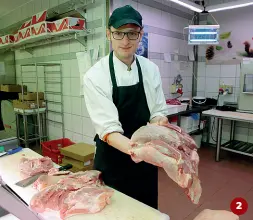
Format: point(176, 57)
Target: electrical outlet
point(228, 88)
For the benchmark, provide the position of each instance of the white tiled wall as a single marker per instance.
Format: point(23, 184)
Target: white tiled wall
point(9, 76)
point(78, 126)
point(163, 44)
point(210, 76)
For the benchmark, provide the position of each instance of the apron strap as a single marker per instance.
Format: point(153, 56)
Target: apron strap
point(112, 72)
point(113, 77)
point(139, 71)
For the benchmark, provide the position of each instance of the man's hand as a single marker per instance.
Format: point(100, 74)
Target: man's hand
point(160, 120)
point(120, 142)
point(208, 214)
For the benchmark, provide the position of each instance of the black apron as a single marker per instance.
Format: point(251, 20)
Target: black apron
point(137, 180)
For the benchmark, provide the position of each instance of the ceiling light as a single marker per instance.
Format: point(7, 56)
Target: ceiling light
point(188, 4)
point(230, 5)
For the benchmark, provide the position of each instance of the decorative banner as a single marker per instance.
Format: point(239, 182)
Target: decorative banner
point(142, 50)
point(234, 45)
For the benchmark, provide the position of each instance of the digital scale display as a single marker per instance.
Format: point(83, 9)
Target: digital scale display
point(203, 34)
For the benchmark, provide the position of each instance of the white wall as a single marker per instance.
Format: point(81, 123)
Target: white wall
point(165, 29)
point(78, 126)
point(8, 59)
point(210, 76)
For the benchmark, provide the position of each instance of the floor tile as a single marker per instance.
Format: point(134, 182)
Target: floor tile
point(221, 182)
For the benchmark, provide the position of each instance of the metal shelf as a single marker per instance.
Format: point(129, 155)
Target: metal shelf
point(58, 122)
point(53, 102)
point(40, 64)
point(28, 45)
point(52, 72)
point(59, 91)
point(52, 82)
point(54, 111)
point(193, 132)
point(238, 147)
point(53, 93)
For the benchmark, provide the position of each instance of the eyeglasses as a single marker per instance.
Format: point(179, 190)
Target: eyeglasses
point(118, 35)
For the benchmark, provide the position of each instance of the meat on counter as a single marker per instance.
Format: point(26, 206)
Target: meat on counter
point(75, 193)
point(31, 167)
point(172, 149)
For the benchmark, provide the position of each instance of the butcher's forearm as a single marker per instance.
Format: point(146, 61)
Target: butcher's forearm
point(119, 141)
point(157, 119)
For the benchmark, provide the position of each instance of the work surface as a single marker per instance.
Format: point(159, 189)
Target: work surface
point(237, 116)
point(122, 207)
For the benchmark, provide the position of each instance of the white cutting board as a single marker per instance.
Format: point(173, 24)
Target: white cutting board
point(122, 207)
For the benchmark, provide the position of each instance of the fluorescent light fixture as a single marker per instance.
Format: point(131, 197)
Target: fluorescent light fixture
point(188, 4)
point(230, 5)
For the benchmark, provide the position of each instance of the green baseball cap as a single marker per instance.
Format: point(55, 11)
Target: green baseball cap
point(125, 15)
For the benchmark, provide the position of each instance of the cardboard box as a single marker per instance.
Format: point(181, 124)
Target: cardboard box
point(28, 104)
point(6, 41)
point(30, 96)
point(81, 151)
point(41, 29)
point(30, 29)
point(25, 24)
point(35, 19)
point(67, 24)
point(23, 35)
point(75, 169)
point(77, 163)
point(12, 88)
point(39, 17)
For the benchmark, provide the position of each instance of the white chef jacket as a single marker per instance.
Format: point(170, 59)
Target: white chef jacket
point(97, 87)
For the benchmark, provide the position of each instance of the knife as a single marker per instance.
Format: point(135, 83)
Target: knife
point(11, 151)
point(32, 179)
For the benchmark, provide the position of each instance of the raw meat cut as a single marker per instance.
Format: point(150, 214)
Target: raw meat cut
point(172, 149)
point(53, 176)
point(45, 180)
point(208, 214)
point(86, 200)
point(170, 134)
point(32, 167)
point(173, 102)
point(56, 172)
point(62, 195)
point(76, 180)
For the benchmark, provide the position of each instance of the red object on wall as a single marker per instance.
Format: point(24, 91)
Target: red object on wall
point(180, 91)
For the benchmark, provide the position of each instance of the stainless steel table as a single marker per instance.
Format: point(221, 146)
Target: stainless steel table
point(40, 125)
point(232, 145)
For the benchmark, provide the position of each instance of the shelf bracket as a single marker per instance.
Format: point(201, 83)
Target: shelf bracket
point(82, 40)
point(29, 50)
point(81, 12)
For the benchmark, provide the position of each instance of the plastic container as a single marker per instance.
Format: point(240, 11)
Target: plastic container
point(197, 138)
point(173, 109)
point(51, 149)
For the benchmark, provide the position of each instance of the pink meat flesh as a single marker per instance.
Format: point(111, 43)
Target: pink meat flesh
point(32, 167)
point(172, 149)
point(56, 172)
point(77, 193)
point(85, 200)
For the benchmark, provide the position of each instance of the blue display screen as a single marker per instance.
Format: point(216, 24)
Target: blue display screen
point(203, 34)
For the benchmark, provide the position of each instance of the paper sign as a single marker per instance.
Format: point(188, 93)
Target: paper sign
point(175, 57)
point(95, 53)
point(191, 55)
point(2, 68)
point(167, 57)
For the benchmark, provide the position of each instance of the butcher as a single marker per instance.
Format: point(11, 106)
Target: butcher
point(123, 91)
